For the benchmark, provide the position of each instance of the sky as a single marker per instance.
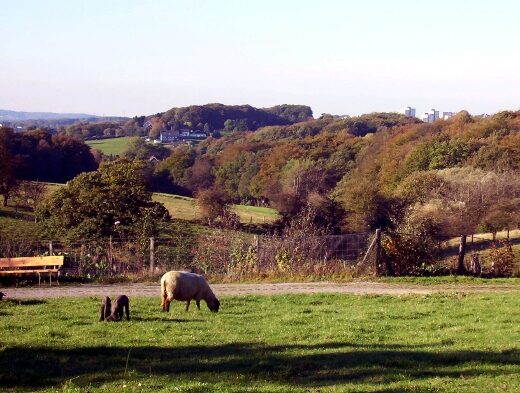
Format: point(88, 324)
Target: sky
point(131, 57)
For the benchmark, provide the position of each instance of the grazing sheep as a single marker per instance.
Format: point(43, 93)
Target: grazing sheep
point(121, 304)
point(106, 306)
point(186, 286)
point(2, 295)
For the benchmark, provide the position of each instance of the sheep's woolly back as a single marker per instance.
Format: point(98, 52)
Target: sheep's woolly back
point(180, 285)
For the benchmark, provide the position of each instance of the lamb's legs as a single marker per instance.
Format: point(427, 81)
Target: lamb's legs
point(188, 304)
point(198, 304)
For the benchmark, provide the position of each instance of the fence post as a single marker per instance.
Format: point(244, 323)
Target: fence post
point(81, 258)
point(461, 269)
point(110, 254)
point(378, 249)
point(51, 253)
point(152, 254)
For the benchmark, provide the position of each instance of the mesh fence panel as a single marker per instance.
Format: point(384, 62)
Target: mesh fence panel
point(223, 254)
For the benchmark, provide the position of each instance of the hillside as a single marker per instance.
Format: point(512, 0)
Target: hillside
point(234, 117)
point(114, 146)
point(7, 115)
point(421, 183)
point(373, 165)
point(207, 118)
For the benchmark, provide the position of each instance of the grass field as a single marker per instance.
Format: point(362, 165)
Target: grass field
point(184, 208)
point(482, 237)
point(114, 146)
point(293, 343)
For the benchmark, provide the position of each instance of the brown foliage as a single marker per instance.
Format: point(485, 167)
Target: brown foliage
point(215, 210)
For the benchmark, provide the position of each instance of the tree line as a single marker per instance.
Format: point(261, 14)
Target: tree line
point(39, 155)
point(373, 171)
point(380, 170)
point(208, 118)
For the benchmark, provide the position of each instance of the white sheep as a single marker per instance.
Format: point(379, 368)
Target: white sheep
point(184, 286)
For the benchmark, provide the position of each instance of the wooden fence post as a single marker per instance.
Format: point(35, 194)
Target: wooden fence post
point(152, 254)
point(81, 259)
point(51, 252)
point(110, 254)
point(461, 269)
point(378, 250)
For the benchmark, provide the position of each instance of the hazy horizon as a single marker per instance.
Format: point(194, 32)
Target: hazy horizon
point(127, 58)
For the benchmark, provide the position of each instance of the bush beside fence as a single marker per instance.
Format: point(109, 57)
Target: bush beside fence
point(233, 256)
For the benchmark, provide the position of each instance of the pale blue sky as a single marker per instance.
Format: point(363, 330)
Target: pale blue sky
point(342, 57)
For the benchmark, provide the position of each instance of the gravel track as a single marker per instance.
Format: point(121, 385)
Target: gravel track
point(151, 290)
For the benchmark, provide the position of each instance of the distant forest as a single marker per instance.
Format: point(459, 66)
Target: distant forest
point(380, 170)
point(208, 118)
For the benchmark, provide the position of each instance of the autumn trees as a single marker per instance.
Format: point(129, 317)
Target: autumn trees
point(360, 173)
point(38, 155)
point(9, 168)
point(112, 201)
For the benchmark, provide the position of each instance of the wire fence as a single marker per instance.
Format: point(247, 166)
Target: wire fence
point(235, 256)
point(231, 255)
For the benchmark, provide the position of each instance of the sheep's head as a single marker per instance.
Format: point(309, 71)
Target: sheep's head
point(213, 304)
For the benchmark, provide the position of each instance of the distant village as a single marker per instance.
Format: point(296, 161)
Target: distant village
point(176, 136)
point(432, 115)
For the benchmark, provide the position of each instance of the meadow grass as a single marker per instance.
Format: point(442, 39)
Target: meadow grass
point(451, 280)
point(292, 343)
point(114, 146)
point(185, 208)
point(478, 238)
point(18, 227)
point(180, 207)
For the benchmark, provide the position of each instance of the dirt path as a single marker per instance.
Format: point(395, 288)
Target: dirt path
point(359, 288)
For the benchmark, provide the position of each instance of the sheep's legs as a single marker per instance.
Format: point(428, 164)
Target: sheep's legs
point(198, 304)
point(164, 300)
point(188, 304)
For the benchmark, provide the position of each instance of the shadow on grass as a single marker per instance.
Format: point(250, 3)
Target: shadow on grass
point(165, 319)
point(18, 215)
point(28, 302)
point(300, 365)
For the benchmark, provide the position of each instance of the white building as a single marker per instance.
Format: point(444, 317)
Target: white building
point(430, 116)
point(409, 111)
point(447, 115)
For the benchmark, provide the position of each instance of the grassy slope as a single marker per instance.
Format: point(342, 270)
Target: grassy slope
point(294, 343)
point(180, 207)
point(115, 146)
point(481, 237)
point(185, 208)
point(20, 228)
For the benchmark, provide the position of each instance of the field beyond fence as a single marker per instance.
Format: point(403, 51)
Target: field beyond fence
point(223, 255)
point(233, 256)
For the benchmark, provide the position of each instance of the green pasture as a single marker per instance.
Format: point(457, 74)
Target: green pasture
point(184, 208)
point(114, 146)
point(292, 343)
point(486, 237)
point(18, 226)
point(180, 207)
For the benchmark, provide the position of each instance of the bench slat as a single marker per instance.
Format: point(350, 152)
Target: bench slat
point(29, 271)
point(31, 261)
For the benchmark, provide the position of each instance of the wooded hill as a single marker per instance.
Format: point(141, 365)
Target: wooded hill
point(382, 169)
point(375, 170)
point(208, 118)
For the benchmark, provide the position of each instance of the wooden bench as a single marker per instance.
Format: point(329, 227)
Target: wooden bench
point(32, 265)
